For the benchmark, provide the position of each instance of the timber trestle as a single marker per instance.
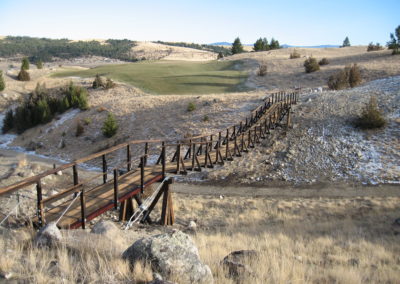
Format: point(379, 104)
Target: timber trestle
point(125, 186)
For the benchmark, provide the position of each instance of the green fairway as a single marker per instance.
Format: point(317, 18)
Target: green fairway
point(172, 77)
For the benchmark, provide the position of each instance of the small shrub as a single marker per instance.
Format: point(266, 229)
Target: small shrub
point(109, 84)
point(374, 47)
point(354, 76)
point(2, 82)
point(8, 122)
point(23, 75)
point(79, 129)
point(294, 54)
point(63, 134)
point(350, 76)
point(206, 118)
point(323, 61)
point(110, 126)
point(98, 82)
point(87, 121)
point(78, 97)
point(191, 107)
point(371, 117)
point(39, 64)
point(311, 65)
point(338, 81)
point(101, 109)
point(262, 69)
point(25, 64)
point(220, 55)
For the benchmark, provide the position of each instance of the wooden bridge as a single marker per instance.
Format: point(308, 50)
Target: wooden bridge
point(119, 186)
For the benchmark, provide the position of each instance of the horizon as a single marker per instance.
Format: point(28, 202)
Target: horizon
point(184, 21)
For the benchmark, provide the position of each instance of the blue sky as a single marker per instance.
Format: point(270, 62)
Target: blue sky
point(305, 22)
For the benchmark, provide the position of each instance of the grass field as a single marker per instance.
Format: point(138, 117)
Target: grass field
point(172, 77)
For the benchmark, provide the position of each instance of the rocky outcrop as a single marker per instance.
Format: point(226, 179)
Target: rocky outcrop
point(171, 255)
point(48, 236)
point(107, 229)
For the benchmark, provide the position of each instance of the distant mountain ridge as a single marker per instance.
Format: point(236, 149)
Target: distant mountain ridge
point(284, 45)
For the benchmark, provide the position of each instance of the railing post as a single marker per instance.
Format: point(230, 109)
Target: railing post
point(146, 152)
point(83, 208)
point(128, 158)
point(39, 194)
point(141, 174)
point(193, 146)
point(115, 188)
point(104, 168)
point(227, 144)
point(163, 154)
point(178, 158)
point(75, 174)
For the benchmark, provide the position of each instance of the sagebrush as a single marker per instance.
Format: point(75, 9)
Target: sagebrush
point(371, 117)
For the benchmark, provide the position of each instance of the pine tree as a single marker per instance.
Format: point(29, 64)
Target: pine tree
point(23, 75)
point(346, 42)
point(237, 46)
point(2, 82)
point(265, 45)
point(39, 64)
point(274, 44)
point(258, 45)
point(25, 64)
point(110, 126)
point(394, 42)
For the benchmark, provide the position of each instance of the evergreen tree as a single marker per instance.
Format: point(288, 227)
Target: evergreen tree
point(274, 44)
point(258, 45)
point(346, 42)
point(110, 126)
point(25, 64)
point(8, 122)
point(265, 45)
point(2, 82)
point(39, 64)
point(394, 42)
point(98, 82)
point(237, 46)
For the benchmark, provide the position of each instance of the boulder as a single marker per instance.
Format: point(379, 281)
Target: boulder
point(48, 236)
point(171, 254)
point(236, 263)
point(106, 228)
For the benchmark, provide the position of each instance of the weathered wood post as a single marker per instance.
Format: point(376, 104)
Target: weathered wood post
point(39, 195)
point(146, 152)
point(115, 188)
point(128, 158)
point(167, 211)
point(104, 168)
point(83, 208)
point(163, 159)
point(141, 174)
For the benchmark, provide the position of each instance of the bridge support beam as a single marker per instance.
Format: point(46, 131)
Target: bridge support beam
point(167, 211)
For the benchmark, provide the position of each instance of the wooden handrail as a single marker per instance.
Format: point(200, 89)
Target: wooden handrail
point(275, 100)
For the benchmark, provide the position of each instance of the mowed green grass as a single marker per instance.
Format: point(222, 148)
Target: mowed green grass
point(172, 77)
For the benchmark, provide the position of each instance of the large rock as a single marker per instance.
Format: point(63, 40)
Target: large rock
point(237, 264)
point(171, 254)
point(107, 229)
point(48, 236)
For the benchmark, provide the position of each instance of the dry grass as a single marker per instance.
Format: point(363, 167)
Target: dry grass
point(83, 257)
point(317, 240)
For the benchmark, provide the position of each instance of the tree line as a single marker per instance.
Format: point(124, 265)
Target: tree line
point(213, 48)
point(45, 49)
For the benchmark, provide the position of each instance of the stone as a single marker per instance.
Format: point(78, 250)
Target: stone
point(235, 263)
point(192, 225)
point(158, 281)
point(106, 228)
point(48, 236)
point(171, 254)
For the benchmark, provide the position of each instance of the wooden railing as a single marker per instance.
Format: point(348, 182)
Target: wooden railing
point(242, 136)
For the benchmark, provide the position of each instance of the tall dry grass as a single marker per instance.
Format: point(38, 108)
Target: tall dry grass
point(300, 240)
